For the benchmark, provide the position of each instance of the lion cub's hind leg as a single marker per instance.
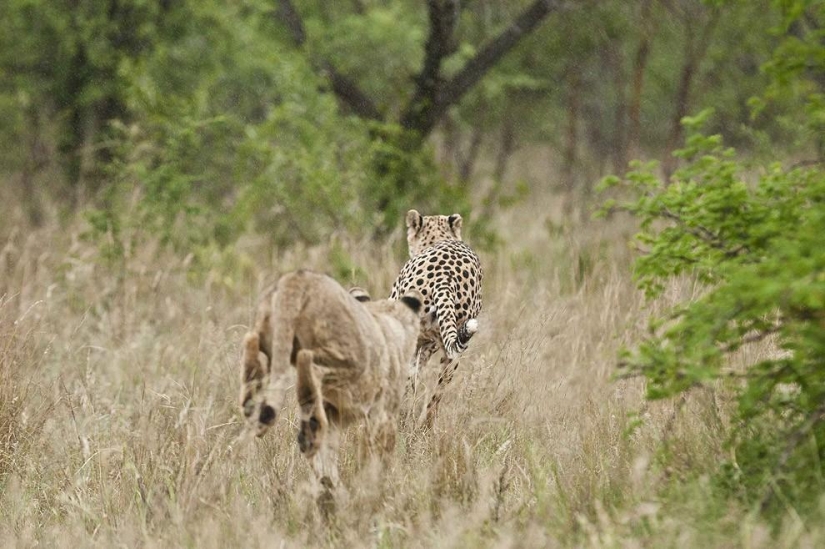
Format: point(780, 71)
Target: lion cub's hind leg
point(318, 438)
point(314, 421)
point(254, 374)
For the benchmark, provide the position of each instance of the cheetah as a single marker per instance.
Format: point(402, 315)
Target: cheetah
point(350, 355)
point(448, 274)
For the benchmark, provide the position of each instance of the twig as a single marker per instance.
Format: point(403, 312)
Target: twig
point(705, 234)
point(753, 338)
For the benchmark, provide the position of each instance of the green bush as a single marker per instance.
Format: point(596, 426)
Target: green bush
point(233, 130)
point(758, 248)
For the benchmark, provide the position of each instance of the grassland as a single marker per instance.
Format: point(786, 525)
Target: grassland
point(119, 423)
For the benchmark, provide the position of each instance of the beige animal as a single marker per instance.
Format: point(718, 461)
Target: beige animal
point(351, 357)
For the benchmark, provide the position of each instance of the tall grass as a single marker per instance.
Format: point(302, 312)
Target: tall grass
point(119, 423)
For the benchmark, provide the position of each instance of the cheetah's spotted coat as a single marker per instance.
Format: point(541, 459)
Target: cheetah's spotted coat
point(448, 274)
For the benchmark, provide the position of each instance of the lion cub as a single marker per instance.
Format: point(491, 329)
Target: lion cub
point(351, 357)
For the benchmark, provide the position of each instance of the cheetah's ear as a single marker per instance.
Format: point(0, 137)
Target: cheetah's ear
point(360, 294)
point(455, 224)
point(414, 221)
point(413, 300)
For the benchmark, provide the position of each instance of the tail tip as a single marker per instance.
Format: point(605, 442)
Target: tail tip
point(471, 326)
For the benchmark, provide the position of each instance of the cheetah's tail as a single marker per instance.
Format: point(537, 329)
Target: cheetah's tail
point(465, 333)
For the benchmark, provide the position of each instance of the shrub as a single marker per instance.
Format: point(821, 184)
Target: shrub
point(758, 248)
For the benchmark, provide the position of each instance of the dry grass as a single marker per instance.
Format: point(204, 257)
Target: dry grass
point(119, 424)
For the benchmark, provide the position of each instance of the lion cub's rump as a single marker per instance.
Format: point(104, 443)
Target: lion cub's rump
point(360, 347)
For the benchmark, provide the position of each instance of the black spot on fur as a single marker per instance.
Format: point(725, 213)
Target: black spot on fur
point(412, 302)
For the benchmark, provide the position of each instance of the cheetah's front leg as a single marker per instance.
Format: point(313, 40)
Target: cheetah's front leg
point(422, 355)
point(448, 368)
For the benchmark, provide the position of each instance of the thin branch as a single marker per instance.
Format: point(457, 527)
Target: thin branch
point(706, 235)
point(752, 338)
point(343, 87)
point(805, 164)
point(628, 375)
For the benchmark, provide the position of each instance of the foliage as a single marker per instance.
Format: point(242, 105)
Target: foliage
point(65, 60)
point(750, 234)
point(797, 74)
point(757, 248)
point(233, 130)
point(386, 53)
point(209, 119)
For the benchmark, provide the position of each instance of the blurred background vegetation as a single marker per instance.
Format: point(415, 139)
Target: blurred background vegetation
point(203, 119)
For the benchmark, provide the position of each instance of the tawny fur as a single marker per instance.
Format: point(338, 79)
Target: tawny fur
point(351, 358)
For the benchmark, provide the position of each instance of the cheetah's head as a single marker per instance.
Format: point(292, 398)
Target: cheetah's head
point(425, 230)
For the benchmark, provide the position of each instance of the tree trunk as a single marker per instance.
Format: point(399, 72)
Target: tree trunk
point(507, 145)
point(680, 111)
point(433, 95)
point(616, 62)
point(696, 46)
point(422, 113)
point(634, 113)
point(571, 133)
point(468, 160)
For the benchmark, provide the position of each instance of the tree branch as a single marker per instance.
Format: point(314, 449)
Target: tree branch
point(752, 338)
point(348, 91)
point(433, 96)
point(290, 17)
point(493, 51)
point(342, 86)
point(420, 113)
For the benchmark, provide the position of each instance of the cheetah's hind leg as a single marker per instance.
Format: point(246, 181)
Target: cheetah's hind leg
point(449, 367)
